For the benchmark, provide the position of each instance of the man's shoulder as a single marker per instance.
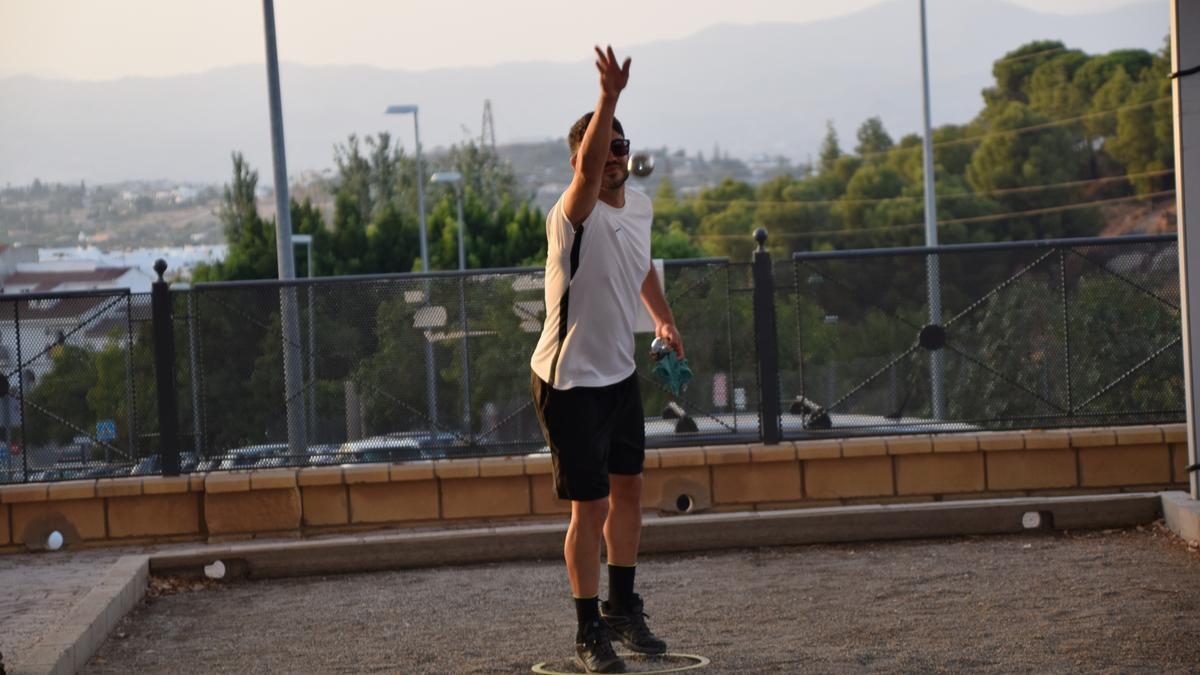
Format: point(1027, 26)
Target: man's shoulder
point(639, 198)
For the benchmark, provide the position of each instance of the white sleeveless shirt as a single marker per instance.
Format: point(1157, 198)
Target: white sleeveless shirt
point(587, 338)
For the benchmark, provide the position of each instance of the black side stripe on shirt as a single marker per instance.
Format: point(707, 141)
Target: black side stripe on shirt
point(565, 305)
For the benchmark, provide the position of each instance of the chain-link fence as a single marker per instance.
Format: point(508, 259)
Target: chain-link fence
point(77, 388)
point(1030, 335)
point(426, 366)
point(422, 366)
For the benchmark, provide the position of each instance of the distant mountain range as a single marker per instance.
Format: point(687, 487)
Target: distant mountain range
point(751, 90)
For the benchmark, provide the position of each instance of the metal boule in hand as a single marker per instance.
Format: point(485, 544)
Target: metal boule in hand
point(659, 348)
point(641, 164)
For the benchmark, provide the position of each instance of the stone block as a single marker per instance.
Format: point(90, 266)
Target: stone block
point(272, 479)
point(727, 454)
point(1174, 433)
point(823, 449)
point(1047, 439)
point(166, 485)
point(543, 498)
point(1031, 469)
point(319, 475)
point(1125, 465)
point(494, 467)
point(939, 473)
point(77, 519)
point(661, 488)
point(1179, 462)
point(539, 465)
point(119, 487)
point(1139, 435)
point(908, 445)
point(757, 482)
point(955, 443)
point(154, 515)
point(456, 468)
point(1001, 440)
point(72, 489)
point(783, 452)
point(652, 461)
point(394, 502)
point(227, 481)
point(1092, 438)
point(324, 505)
point(842, 478)
point(418, 470)
point(252, 511)
point(34, 492)
point(485, 497)
point(670, 458)
point(366, 473)
point(863, 447)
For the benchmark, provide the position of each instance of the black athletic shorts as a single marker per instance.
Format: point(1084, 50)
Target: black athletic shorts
point(592, 432)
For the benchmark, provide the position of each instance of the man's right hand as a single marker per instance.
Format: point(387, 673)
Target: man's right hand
point(580, 198)
point(613, 77)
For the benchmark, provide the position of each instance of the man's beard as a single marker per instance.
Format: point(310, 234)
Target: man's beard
point(615, 183)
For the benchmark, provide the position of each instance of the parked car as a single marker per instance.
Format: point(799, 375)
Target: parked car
point(152, 464)
point(262, 456)
point(324, 455)
point(383, 449)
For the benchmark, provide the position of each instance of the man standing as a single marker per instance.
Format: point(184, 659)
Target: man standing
point(585, 383)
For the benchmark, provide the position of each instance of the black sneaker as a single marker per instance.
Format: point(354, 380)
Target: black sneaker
point(594, 650)
point(631, 629)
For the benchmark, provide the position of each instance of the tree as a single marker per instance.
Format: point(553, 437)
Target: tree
point(1018, 159)
point(830, 150)
point(873, 139)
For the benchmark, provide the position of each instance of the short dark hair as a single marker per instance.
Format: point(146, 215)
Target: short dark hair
point(575, 137)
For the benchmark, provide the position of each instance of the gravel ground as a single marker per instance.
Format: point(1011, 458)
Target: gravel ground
point(1118, 601)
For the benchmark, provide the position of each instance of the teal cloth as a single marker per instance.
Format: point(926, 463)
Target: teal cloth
point(673, 372)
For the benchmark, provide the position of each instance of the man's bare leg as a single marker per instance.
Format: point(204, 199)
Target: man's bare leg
point(623, 528)
point(582, 546)
point(622, 534)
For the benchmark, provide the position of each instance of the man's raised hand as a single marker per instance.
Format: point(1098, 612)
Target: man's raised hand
point(613, 77)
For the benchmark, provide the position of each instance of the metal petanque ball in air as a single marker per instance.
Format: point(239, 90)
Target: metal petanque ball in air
point(641, 164)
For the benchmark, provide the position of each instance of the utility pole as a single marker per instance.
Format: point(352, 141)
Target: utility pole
point(289, 308)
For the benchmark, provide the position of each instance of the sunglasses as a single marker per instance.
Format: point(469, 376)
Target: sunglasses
point(619, 147)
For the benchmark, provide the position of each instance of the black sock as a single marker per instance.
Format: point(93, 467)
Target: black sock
point(620, 586)
point(587, 612)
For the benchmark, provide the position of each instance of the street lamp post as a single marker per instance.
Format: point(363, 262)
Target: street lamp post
point(932, 262)
point(430, 370)
point(455, 178)
point(307, 241)
point(289, 319)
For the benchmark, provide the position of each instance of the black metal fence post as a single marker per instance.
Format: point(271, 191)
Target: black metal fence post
point(164, 368)
point(766, 341)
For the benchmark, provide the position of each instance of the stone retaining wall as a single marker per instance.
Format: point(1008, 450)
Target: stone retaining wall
point(297, 502)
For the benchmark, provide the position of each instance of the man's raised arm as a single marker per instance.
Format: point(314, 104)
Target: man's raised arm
point(589, 162)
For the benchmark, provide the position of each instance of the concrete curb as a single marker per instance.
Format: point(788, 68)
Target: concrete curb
point(697, 532)
point(1182, 515)
point(77, 638)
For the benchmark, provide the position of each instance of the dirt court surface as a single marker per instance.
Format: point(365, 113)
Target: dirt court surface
point(1118, 601)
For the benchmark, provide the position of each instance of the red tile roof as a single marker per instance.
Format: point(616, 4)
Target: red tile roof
point(48, 281)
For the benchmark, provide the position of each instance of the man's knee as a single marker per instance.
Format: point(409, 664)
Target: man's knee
point(626, 490)
point(590, 514)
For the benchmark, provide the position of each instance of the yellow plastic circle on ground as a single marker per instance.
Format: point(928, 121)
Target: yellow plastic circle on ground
point(635, 663)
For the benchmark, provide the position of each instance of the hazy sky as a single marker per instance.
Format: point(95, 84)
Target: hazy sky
point(106, 39)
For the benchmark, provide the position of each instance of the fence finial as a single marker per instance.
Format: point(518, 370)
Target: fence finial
point(160, 266)
point(760, 235)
